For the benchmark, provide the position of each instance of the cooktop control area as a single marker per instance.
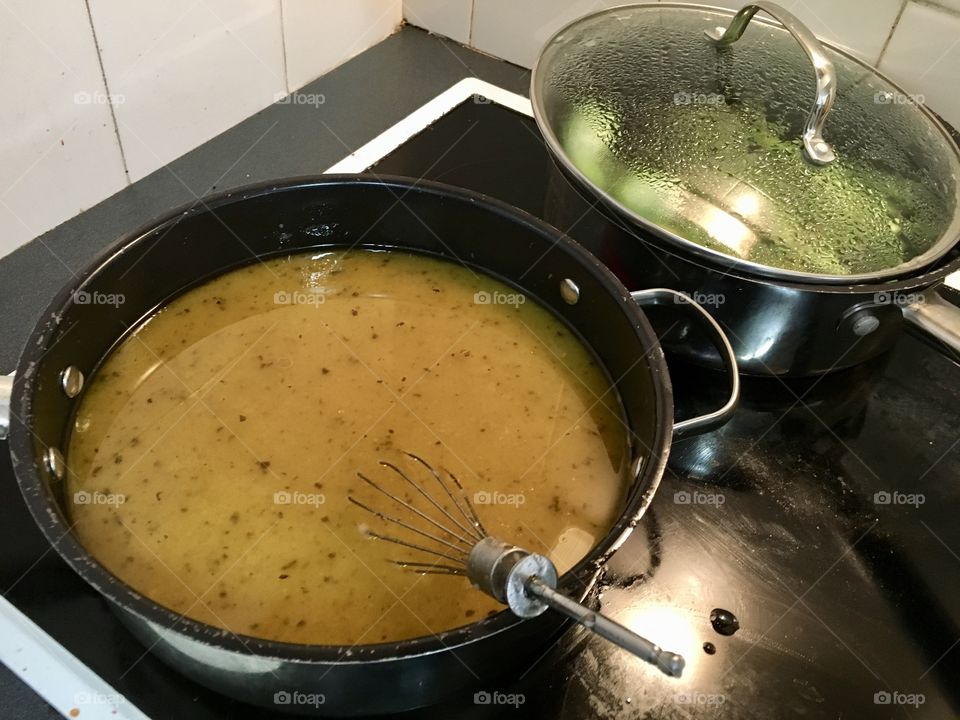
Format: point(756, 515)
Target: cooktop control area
point(805, 558)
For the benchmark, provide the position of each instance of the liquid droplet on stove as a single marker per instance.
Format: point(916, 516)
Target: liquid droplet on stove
point(724, 621)
point(709, 648)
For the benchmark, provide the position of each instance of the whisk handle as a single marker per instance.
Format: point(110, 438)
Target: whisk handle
point(669, 663)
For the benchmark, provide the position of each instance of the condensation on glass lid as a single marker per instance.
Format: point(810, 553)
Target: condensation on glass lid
point(705, 143)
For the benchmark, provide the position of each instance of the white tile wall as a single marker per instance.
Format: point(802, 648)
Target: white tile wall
point(861, 26)
point(321, 34)
point(450, 18)
point(516, 31)
point(58, 150)
point(916, 41)
point(136, 84)
point(924, 56)
point(186, 72)
point(181, 71)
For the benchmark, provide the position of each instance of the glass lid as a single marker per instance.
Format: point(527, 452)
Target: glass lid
point(769, 151)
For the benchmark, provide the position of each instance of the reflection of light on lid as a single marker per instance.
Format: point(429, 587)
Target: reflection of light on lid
point(746, 204)
point(727, 230)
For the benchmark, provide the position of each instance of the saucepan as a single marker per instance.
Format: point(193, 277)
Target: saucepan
point(809, 201)
point(158, 263)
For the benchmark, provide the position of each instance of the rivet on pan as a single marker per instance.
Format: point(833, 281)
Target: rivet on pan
point(71, 381)
point(865, 324)
point(56, 465)
point(569, 291)
point(636, 467)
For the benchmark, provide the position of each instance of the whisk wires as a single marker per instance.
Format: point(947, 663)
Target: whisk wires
point(453, 533)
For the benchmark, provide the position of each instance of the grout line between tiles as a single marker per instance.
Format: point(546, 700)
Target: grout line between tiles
point(283, 47)
point(106, 88)
point(893, 29)
point(473, 10)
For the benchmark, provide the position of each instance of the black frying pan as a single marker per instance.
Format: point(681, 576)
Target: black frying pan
point(190, 246)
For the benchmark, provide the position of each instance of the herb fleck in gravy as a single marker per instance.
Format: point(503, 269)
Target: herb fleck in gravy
point(214, 450)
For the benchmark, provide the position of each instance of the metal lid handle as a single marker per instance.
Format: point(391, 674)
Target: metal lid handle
point(818, 151)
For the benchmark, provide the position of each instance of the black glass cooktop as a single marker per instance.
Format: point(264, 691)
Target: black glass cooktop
point(824, 516)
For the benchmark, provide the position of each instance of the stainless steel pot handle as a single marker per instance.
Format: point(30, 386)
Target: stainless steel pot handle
point(937, 316)
point(6, 392)
point(703, 423)
point(818, 151)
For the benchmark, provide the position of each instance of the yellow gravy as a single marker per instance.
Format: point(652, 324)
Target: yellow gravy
point(215, 448)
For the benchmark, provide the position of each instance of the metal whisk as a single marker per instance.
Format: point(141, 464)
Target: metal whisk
point(526, 582)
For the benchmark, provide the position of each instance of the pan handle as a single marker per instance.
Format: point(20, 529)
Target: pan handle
point(936, 316)
point(6, 392)
point(710, 421)
point(818, 151)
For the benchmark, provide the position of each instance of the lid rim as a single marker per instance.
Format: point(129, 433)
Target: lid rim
point(937, 250)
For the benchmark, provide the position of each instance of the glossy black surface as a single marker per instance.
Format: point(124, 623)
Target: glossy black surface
point(772, 517)
point(839, 598)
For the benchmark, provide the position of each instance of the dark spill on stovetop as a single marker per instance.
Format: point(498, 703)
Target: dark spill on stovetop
point(724, 622)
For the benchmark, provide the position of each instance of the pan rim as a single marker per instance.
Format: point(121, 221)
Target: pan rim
point(29, 469)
